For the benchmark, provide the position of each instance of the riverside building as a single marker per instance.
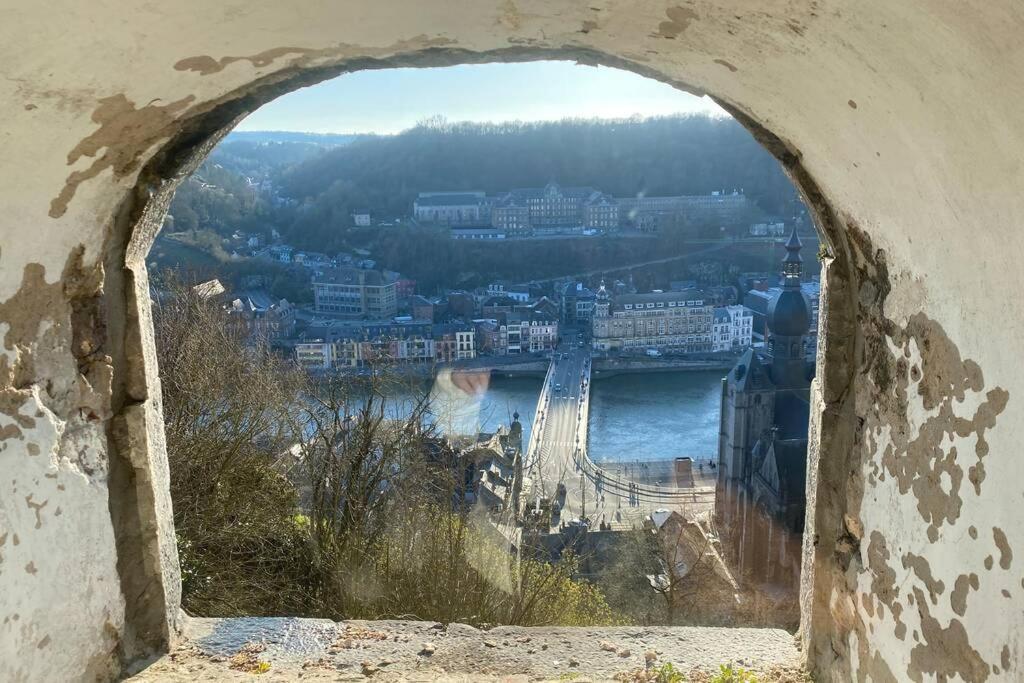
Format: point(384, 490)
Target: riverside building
point(665, 321)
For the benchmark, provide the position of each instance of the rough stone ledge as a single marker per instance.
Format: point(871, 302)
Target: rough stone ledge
point(290, 649)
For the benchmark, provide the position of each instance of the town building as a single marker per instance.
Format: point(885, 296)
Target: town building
point(454, 341)
point(496, 466)
point(490, 336)
point(553, 206)
point(361, 219)
point(404, 287)
point(762, 453)
point(461, 304)
point(355, 293)
point(721, 331)
point(452, 208)
point(600, 212)
point(546, 306)
point(577, 304)
point(511, 216)
point(493, 306)
point(314, 354)
point(666, 321)
point(520, 293)
point(350, 345)
point(421, 308)
point(260, 316)
point(313, 260)
point(741, 331)
point(769, 229)
point(541, 332)
point(554, 209)
point(732, 328)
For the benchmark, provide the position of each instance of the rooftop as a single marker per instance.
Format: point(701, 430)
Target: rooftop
point(352, 276)
point(449, 199)
point(663, 297)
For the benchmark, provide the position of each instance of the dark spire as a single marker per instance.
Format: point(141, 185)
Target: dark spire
point(792, 265)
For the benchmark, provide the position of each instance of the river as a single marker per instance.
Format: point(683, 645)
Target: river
point(645, 417)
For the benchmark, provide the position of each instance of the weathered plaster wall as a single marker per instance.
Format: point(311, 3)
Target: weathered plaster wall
point(900, 120)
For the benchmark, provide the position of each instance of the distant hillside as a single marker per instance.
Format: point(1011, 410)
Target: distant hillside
point(262, 154)
point(307, 185)
point(659, 156)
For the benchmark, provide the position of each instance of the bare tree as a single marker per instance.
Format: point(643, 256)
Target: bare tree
point(225, 404)
point(667, 575)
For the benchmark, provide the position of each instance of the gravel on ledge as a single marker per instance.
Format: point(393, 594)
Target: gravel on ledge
point(293, 649)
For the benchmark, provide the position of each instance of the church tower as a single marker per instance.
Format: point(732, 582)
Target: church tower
point(602, 302)
point(789, 318)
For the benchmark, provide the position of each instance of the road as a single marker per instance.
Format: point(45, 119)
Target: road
point(557, 455)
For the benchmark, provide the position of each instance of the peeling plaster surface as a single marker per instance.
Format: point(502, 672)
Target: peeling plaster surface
point(902, 119)
point(62, 600)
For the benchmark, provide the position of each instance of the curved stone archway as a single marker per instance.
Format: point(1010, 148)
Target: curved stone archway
point(873, 110)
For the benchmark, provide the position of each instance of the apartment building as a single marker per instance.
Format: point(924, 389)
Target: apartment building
point(355, 293)
point(342, 346)
point(666, 321)
point(733, 328)
point(454, 341)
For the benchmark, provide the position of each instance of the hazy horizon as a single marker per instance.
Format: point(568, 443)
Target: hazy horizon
point(343, 133)
point(388, 101)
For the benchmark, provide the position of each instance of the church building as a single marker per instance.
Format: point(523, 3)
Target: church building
point(762, 451)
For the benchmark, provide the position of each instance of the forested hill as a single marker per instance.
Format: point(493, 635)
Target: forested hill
point(660, 156)
point(263, 153)
point(247, 182)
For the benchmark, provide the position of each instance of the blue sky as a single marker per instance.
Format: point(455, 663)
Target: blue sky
point(391, 100)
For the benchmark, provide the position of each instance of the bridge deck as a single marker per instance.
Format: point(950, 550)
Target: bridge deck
point(558, 465)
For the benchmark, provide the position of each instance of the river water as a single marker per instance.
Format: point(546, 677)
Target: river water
point(645, 417)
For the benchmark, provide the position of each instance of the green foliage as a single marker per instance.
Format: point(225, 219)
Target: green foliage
point(668, 673)
point(221, 200)
point(727, 674)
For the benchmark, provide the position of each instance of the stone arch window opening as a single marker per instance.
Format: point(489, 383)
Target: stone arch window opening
point(188, 149)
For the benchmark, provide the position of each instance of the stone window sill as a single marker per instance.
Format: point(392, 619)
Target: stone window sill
point(286, 649)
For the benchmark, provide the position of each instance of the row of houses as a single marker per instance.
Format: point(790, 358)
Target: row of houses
point(340, 345)
point(553, 209)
